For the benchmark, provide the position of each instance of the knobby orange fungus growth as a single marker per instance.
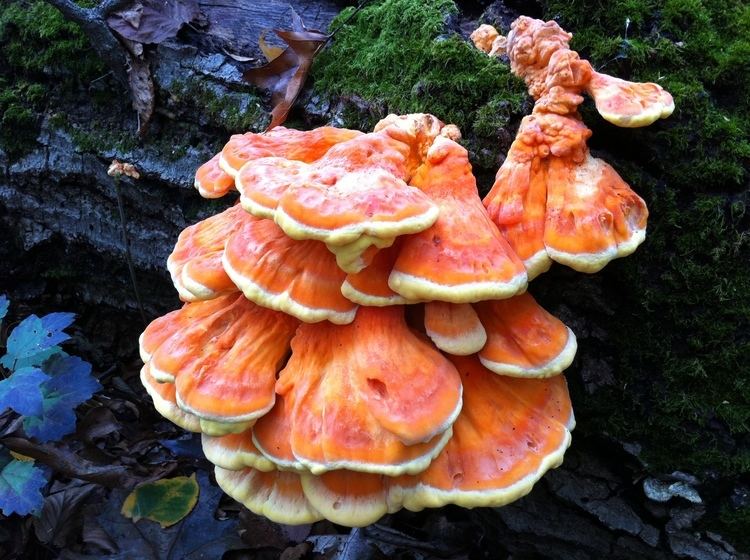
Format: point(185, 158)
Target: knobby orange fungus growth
point(356, 335)
point(552, 199)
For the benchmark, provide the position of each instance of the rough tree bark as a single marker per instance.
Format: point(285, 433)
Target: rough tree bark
point(63, 248)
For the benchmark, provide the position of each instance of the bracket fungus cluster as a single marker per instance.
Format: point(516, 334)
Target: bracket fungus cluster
point(356, 336)
point(552, 199)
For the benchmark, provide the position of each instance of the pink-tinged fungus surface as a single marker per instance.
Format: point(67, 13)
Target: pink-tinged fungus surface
point(463, 257)
point(301, 145)
point(454, 327)
point(195, 263)
point(276, 495)
point(164, 398)
point(211, 180)
point(551, 199)
point(524, 340)
point(224, 364)
point(235, 452)
point(370, 396)
point(300, 278)
point(370, 287)
point(509, 433)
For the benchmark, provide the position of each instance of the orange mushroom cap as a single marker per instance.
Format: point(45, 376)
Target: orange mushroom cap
point(261, 183)
point(276, 495)
point(297, 277)
point(300, 145)
point(484, 38)
point(517, 202)
point(339, 208)
point(211, 180)
point(165, 403)
point(353, 499)
point(370, 286)
point(370, 396)
point(235, 452)
point(225, 363)
point(551, 199)
point(593, 216)
point(272, 436)
point(163, 328)
point(454, 327)
point(463, 257)
point(157, 332)
point(509, 434)
point(358, 190)
point(195, 263)
point(524, 340)
point(629, 104)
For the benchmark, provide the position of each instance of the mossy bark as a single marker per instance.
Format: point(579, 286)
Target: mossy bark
point(661, 381)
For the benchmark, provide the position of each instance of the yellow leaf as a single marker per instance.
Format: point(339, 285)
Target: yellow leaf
point(165, 501)
point(269, 51)
point(20, 457)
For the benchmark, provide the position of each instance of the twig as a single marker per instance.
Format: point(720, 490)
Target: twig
point(128, 255)
point(356, 10)
point(71, 465)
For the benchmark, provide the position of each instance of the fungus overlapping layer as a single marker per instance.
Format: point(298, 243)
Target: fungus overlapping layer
point(552, 199)
point(357, 338)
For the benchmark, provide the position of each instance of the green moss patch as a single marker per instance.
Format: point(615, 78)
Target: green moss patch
point(700, 51)
point(37, 46)
point(397, 54)
point(233, 112)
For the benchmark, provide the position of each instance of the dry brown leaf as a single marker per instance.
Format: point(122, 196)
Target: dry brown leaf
point(285, 75)
point(269, 51)
point(153, 21)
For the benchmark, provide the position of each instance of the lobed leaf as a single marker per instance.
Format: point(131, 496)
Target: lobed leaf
point(285, 74)
point(22, 391)
point(70, 383)
point(34, 340)
point(20, 486)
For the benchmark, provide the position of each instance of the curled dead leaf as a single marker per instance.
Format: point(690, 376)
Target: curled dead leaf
point(285, 75)
point(153, 21)
point(269, 51)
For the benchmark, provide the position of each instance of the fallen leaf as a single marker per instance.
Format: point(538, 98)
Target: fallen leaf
point(153, 21)
point(70, 383)
point(93, 534)
point(269, 51)
point(285, 75)
point(97, 424)
point(165, 501)
point(71, 465)
point(200, 536)
point(141, 90)
point(59, 512)
point(20, 486)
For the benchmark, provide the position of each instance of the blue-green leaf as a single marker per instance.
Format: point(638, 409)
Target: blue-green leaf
point(70, 384)
point(22, 391)
point(32, 340)
point(20, 486)
point(4, 304)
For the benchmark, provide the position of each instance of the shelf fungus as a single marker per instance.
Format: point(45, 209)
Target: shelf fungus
point(552, 199)
point(356, 336)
